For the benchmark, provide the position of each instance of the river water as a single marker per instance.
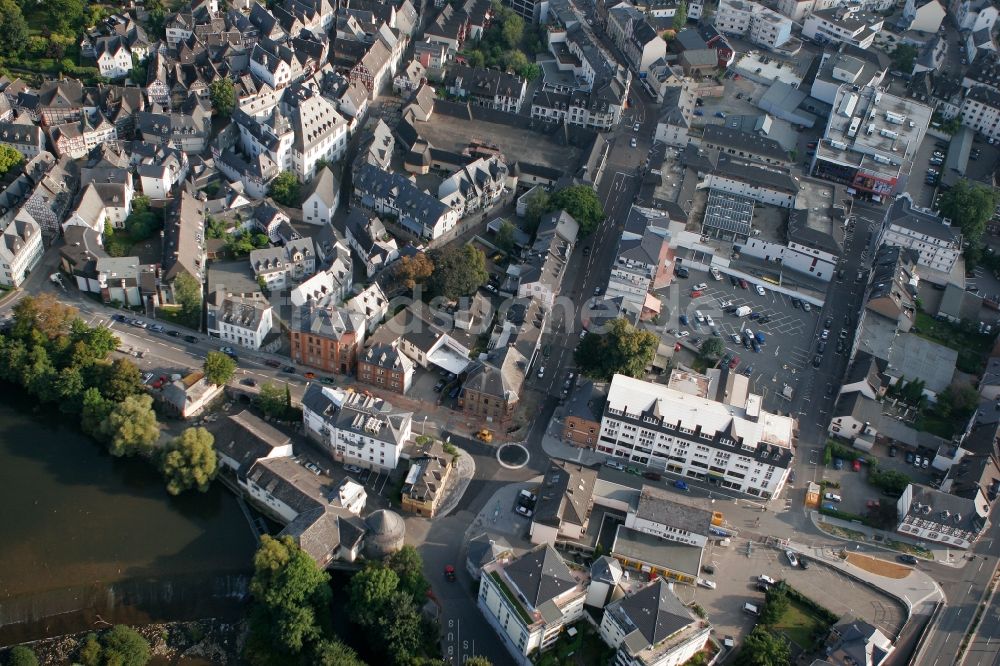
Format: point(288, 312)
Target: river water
point(86, 538)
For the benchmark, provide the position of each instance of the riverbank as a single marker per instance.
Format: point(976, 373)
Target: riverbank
point(213, 641)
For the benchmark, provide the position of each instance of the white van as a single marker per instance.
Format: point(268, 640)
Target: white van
point(750, 608)
point(699, 317)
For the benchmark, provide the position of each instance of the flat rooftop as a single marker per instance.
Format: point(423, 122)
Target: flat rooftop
point(872, 130)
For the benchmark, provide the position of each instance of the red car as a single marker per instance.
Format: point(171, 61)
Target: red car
point(695, 294)
point(449, 573)
point(735, 362)
point(856, 465)
point(743, 284)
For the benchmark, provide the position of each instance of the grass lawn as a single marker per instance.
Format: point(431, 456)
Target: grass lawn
point(174, 315)
point(971, 347)
point(799, 625)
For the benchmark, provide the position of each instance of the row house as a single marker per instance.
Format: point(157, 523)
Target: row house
point(599, 109)
point(540, 276)
point(981, 112)
point(318, 131)
point(274, 64)
point(326, 337)
point(184, 250)
point(54, 185)
point(321, 198)
point(101, 204)
point(384, 366)
point(368, 237)
point(430, 54)
point(62, 101)
point(355, 428)
point(476, 186)
point(631, 32)
point(77, 138)
point(280, 267)
point(241, 319)
point(187, 129)
point(159, 168)
point(23, 136)
point(936, 243)
point(375, 68)
point(21, 249)
point(763, 26)
point(844, 25)
point(486, 87)
point(394, 194)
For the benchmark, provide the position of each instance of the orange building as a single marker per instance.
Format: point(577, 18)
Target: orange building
point(327, 338)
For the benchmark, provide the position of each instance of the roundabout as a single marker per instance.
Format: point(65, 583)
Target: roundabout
point(513, 456)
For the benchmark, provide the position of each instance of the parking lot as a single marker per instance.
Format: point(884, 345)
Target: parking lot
point(855, 491)
point(789, 332)
point(736, 574)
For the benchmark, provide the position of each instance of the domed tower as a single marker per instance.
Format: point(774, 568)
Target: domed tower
point(386, 530)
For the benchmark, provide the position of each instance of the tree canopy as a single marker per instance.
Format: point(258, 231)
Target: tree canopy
point(223, 96)
point(903, 57)
point(22, 655)
point(459, 271)
point(624, 349)
point(505, 236)
point(970, 206)
point(189, 461)
point(712, 349)
point(125, 646)
point(285, 189)
point(219, 368)
point(187, 293)
point(273, 400)
point(131, 427)
point(762, 648)
point(290, 614)
point(582, 203)
point(9, 157)
point(680, 16)
point(407, 564)
point(409, 271)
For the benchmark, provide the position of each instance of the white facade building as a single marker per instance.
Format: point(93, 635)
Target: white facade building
point(354, 428)
point(244, 320)
point(981, 112)
point(937, 244)
point(843, 25)
point(748, 449)
point(763, 26)
point(21, 249)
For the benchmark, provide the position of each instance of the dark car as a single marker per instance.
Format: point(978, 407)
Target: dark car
point(817, 361)
point(828, 324)
point(190, 338)
point(118, 317)
point(803, 562)
point(907, 559)
point(892, 451)
point(248, 381)
point(652, 476)
point(764, 319)
point(755, 315)
point(173, 334)
point(271, 363)
point(681, 272)
point(796, 303)
point(290, 369)
point(743, 284)
point(586, 251)
point(733, 280)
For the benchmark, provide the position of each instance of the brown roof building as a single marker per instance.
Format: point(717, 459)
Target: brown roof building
point(493, 388)
point(583, 414)
point(383, 365)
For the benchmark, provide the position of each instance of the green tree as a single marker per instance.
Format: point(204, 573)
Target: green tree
point(187, 294)
point(505, 236)
point(285, 189)
point(271, 400)
point(884, 516)
point(538, 205)
point(42, 313)
point(529, 72)
point(401, 628)
point(512, 29)
point(334, 653)
point(125, 646)
point(118, 379)
point(408, 567)
point(14, 34)
point(957, 401)
point(291, 597)
point(9, 157)
point(582, 203)
point(903, 57)
point(94, 411)
point(624, 350)
point(680, 16)
point(222, 92)
point(970, 206)
point(369, 593)
point(69, 387)
point(189, 461)
point(90, 652)
point(22, 655)
point(131, 427)
point(776, 605)
point(477, 661)
point(142, 225)
point(139, 72)
point(64, 16)
point(762, 648)
point(140, 204)
point(459, 271)
point(712, 349)
point(219, 368)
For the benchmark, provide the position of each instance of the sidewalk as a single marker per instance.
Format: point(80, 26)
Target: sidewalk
point(465, 469)
point(916, 589)
point(879, 538)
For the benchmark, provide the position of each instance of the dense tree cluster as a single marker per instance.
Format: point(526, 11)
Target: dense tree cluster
point(219, 368)
point(624, 350)
point(580, 201)
point(222, 92)
point(285, 189)
point(458, 271)
point(60, 360)
point(409, 271)
point(9, 157)
point(507, 45)
point(970, 206)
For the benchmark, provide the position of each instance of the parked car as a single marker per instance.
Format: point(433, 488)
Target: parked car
point(907, 559)
point(856, 465)
point(614, 464)
point(910, 456)
point(700, 286)
point(652, 476)
point(760, 290)
point(449, 573)
point(767, 580)
point(352, 469)
point(838, 463)
point(680, 484)
point(817, 361)
point(271, 363)
point(683, 319)
point(925, 463)
point(829, 506)
point(704, 582)
point(743, 284)
point(290, 369)
point(190, 339)
point(524, 511)
point(892, 451)
point(792, 558)
point(833, 497)
point(248, 381)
